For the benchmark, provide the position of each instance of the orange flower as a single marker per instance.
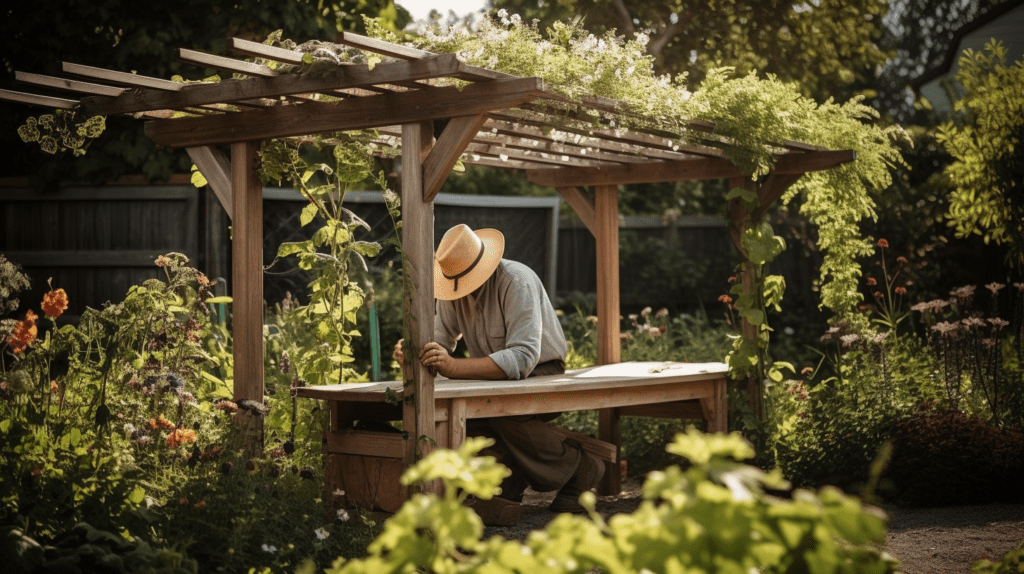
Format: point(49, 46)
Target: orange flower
point(180, 437)
point(200, 505)
point(871, 281)
point(901, 260)
point(23, 333)
point(725, 299)
point(55, 303)
point(183, 501)
point(883, 243)
point(54, 389)
point(879, 294)
point(732, 279)
point(160, 421)
point(901, 291)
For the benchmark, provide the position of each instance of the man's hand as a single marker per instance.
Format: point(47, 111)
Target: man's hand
point(398, 354)
point(436, 358)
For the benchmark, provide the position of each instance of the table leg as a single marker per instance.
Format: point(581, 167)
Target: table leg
point(609, 429)
point(456, 423)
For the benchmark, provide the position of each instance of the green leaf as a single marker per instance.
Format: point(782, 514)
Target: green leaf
point(137, 495)
point(289, 248)
point(197, 178)
point(308, 214)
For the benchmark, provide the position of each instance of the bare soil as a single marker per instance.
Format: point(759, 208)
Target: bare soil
point(924, 540)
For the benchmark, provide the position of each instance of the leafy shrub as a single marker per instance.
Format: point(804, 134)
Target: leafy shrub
point(86, 549)
point(712, 517)
point(950, 458)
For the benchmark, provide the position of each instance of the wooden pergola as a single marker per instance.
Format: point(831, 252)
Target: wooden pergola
point(493, 119)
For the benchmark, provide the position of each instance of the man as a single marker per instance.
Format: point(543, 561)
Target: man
point(501, 310)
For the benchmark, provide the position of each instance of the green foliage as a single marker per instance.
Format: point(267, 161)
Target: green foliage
point(62, 131)
point(86, 549)
point(985, 142)
point(712, 517)
point(828, 47)
point(12, 282)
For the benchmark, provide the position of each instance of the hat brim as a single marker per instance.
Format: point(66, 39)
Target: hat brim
point(494, 248)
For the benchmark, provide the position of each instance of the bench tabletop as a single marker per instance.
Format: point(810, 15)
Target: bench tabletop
point(592, 378)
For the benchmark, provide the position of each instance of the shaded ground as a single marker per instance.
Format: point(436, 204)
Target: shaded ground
point(925, 540)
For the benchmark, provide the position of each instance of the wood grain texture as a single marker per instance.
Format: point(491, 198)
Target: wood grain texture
point(592, 380)
point(224, 63)
point(683, 410)
point(121, 78)
point(605, 451)
point(247, 271)
point(445, 153)
point(369, 443)
point(418, 254)
point(66, 84)
point(351, 114)
point(368, 481)
point(581, 205)
point(216, 168)
point(609, 430)
point(227, 91)
point(685, 170)
point(456, 423)
point(258, 50)
point(606, 220)
point(34, 100)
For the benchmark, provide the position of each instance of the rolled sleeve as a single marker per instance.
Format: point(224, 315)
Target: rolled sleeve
point(524, 329)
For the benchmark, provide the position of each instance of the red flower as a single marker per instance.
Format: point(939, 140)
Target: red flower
point(901, 291)
point(871, 281)
point(901, 260)
point(200, 505)
point(23, 333)
point(883, 243)
point(55, 303)
point(879, 294)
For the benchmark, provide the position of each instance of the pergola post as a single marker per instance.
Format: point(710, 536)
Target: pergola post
point(418, 265)
point(247, 275)
point(606, 223)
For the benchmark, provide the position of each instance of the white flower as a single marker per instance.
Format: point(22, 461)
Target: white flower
point(269, 548)
point(343, 515)
point(321, 534)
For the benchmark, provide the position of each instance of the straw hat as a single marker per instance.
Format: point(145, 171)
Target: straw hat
point(465, 260)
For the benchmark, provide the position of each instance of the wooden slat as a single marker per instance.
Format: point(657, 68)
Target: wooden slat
point(366, 443)
point(582, 205)
point(34, 100)
point(66, 84)
point(216, 168)
point(683, 410)
point(122, 78)
point(539, 157)
point(443, 156)
point(282, 85)
point(259, 50)
point(380, 46)
point(592, 380)
point(603, 450)
point(556, 148)
point(689, 170)
point(488, 161)
point(86, 258)
point(505, 405)
point(352, 114)
point(418, 253)
point(609, 430)
point(456, 423)
point(506, 124)
point(223, 63)
point(247, 273)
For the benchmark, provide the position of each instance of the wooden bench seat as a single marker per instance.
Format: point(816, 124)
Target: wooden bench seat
point(365, 463)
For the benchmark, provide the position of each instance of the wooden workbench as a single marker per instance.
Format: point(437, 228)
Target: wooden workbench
point(365, 464)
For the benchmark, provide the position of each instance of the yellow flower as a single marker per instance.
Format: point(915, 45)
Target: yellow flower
point(55, 303)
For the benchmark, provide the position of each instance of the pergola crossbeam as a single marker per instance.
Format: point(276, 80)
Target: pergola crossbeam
point(121, 78)
point(352, 114)
point(35, 100)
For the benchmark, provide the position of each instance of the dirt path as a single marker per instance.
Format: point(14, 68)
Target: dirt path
point(925, 540)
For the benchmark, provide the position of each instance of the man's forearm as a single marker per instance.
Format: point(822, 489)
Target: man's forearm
point(477, 368)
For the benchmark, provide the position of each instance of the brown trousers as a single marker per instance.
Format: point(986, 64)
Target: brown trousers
point(526, 445)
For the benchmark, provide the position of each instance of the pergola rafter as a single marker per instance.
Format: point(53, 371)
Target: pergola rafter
point(491, 118)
